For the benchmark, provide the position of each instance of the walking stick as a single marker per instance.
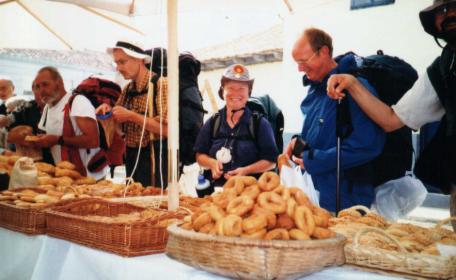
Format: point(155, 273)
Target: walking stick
point(343, 129)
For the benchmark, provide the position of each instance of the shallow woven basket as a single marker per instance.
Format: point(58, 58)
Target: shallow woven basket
point(398, 263)
point(26, 220)
point(253, 259)
point(143, 237)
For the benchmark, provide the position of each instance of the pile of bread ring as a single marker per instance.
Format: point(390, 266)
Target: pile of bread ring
point(64, 174)
point(33, 197)
point(413, 238)
point(260, 209)
point(7, 163)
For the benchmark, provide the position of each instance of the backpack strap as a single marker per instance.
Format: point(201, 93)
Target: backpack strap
point(215, 125)
point(253, 126)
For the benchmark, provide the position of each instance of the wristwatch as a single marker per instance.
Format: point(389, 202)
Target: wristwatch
point(60, 141)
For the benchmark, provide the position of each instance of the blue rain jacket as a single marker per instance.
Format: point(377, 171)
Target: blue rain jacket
point(319, 131)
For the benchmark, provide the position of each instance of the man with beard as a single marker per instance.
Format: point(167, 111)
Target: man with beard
point(76, 141)
point(432, 98)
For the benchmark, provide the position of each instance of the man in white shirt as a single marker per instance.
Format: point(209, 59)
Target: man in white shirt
point(83, 144)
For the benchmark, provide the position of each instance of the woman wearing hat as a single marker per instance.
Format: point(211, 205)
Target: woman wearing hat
point(225, 144)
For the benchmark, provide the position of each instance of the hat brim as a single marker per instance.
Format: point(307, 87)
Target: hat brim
point(427, 17)
point(147, 58)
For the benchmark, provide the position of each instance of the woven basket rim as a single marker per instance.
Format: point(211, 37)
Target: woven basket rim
point(175, 229)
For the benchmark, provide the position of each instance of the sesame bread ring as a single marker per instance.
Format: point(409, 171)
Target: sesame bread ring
point(201, 220)
point(268, 181)
point(304, 219)
point(291, 206)
point(323, 233)
point(273, 202)
point(270, 216)
point(284, 192)
point(236, 183)
point(251, 191)
point(277, 234)
point(297, 234)
point(216, 212)
point(240, 205)
point(254, 223)
point(207, 228)
point(232, 225)
point(255, 235)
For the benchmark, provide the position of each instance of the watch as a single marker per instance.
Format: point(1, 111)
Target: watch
point(60, 141)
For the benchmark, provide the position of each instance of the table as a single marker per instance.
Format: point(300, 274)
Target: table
point(41, 257)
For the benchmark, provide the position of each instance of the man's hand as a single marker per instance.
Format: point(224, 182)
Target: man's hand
point(240, 171)
point(46, 140)
point(337, 83)
point(3, 121)
point(298, 161)
point(216, 169)
point(288, 152)
point(103, 109)
point(121, 114)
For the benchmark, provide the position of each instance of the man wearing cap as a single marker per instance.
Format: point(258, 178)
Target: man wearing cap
point(225, 144)
point(313, 54)
point(432, 97)
point(130, 113)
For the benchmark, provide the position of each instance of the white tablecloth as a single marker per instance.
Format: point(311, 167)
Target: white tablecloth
point(45, 258)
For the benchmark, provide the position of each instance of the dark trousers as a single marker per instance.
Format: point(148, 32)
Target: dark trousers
point(143, 169)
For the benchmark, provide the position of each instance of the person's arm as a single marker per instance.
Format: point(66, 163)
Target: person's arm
point(208, 162)
point(122, 115)
point(87, 139)
point(379, 112)
point(257, 167)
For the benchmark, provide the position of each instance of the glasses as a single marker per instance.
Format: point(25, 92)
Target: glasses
point(307, 61)
point(443, 10)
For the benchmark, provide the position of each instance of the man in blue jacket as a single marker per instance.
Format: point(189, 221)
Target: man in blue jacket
point(313, 54)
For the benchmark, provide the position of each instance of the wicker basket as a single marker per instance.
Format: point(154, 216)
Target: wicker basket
point(26, 220)
point(402, 262)
point(126, 239)
point(253, 259)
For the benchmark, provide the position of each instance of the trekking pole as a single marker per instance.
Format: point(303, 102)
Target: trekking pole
point(343, 129)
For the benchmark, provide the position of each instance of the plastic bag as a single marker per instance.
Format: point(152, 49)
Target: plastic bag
point(189, 180)
point(23, 174)
point(396, 198)
point(293, 177)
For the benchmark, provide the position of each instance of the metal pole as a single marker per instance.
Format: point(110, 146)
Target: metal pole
point(338, 175)
point(173, 108)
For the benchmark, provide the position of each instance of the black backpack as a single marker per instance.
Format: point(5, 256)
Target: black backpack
point(391, 77)
point(261, 106)
point(191, 110)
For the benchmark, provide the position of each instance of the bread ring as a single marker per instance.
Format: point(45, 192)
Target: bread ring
point(268, 181)
point(285, 221)
point(273, 202)
point(297, 234)
point(240, 205)
point(270, 216)
point(248, 180)
point(251, 191)
point(222, 199)
point(277, 234)
point(255, 235)
point(187, 226)
point(236, 183)
point(216, 212)
point(284, 192)
point(300, 197)
point(323, 233)
point(207, 228)
point(66, 165)
point(254, 223)
point(304, 219)
point(203, 219)
point(231, 225)
point(291, 206)
point(321, 217)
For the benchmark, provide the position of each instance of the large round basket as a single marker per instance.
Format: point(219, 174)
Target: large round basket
point(253, 259)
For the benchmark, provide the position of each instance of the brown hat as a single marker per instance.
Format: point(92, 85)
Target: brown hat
point(235, 72)
point(427, 16)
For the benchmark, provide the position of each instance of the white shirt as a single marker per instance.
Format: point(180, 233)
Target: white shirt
point(420, 105)
point(53, 115)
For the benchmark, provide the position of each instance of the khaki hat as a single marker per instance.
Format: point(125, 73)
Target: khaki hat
point(235, 72)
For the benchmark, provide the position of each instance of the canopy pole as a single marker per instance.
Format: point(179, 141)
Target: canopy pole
point(91, 10)
point(210, 94)
point(6, 2)
point(173, 108)
point(40, 20)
